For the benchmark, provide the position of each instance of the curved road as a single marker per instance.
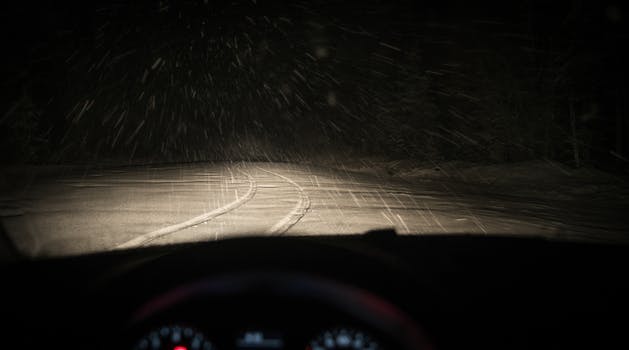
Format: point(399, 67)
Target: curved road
point(138, 206)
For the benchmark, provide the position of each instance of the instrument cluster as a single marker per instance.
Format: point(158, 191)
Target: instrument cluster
point(178, 337)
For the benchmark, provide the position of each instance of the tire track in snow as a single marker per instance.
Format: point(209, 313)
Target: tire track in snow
point(298, 212)
point(151, 236)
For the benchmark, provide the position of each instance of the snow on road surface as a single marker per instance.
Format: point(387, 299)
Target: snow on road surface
point(155, 205)
point(201, 219)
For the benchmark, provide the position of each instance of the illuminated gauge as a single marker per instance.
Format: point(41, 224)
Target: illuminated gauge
point(174, 338)
point(343, 338)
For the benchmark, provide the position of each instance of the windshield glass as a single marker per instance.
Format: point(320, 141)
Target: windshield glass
point(135, 123)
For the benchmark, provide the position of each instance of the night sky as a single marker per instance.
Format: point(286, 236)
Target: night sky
point(203, 80)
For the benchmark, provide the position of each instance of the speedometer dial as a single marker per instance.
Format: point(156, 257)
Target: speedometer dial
point(174, 338)
point(343, 338)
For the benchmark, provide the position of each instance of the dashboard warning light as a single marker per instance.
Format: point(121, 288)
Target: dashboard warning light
point(180, 347)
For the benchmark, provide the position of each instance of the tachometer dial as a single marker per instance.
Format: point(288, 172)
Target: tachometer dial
point(174, 338)
point(343, 338)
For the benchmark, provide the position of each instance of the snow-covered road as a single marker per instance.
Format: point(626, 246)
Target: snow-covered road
point(138, 206)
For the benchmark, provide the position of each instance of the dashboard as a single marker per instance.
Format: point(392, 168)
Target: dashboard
point(271, 310)
point(183, 337)
point(373, 291)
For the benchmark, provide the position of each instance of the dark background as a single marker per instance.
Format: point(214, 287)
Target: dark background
point(480, 81)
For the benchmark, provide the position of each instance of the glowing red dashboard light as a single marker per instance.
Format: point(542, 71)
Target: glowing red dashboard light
point(180, 347)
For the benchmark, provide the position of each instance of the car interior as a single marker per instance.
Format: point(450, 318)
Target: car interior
point(379, 290)
point(314, 175)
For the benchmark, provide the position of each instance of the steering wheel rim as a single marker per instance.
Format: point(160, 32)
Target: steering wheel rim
point(363, 305)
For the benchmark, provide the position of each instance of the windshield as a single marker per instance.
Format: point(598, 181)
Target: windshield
point(136, 123)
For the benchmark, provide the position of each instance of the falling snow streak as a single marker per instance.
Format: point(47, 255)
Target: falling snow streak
point(205, 79)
